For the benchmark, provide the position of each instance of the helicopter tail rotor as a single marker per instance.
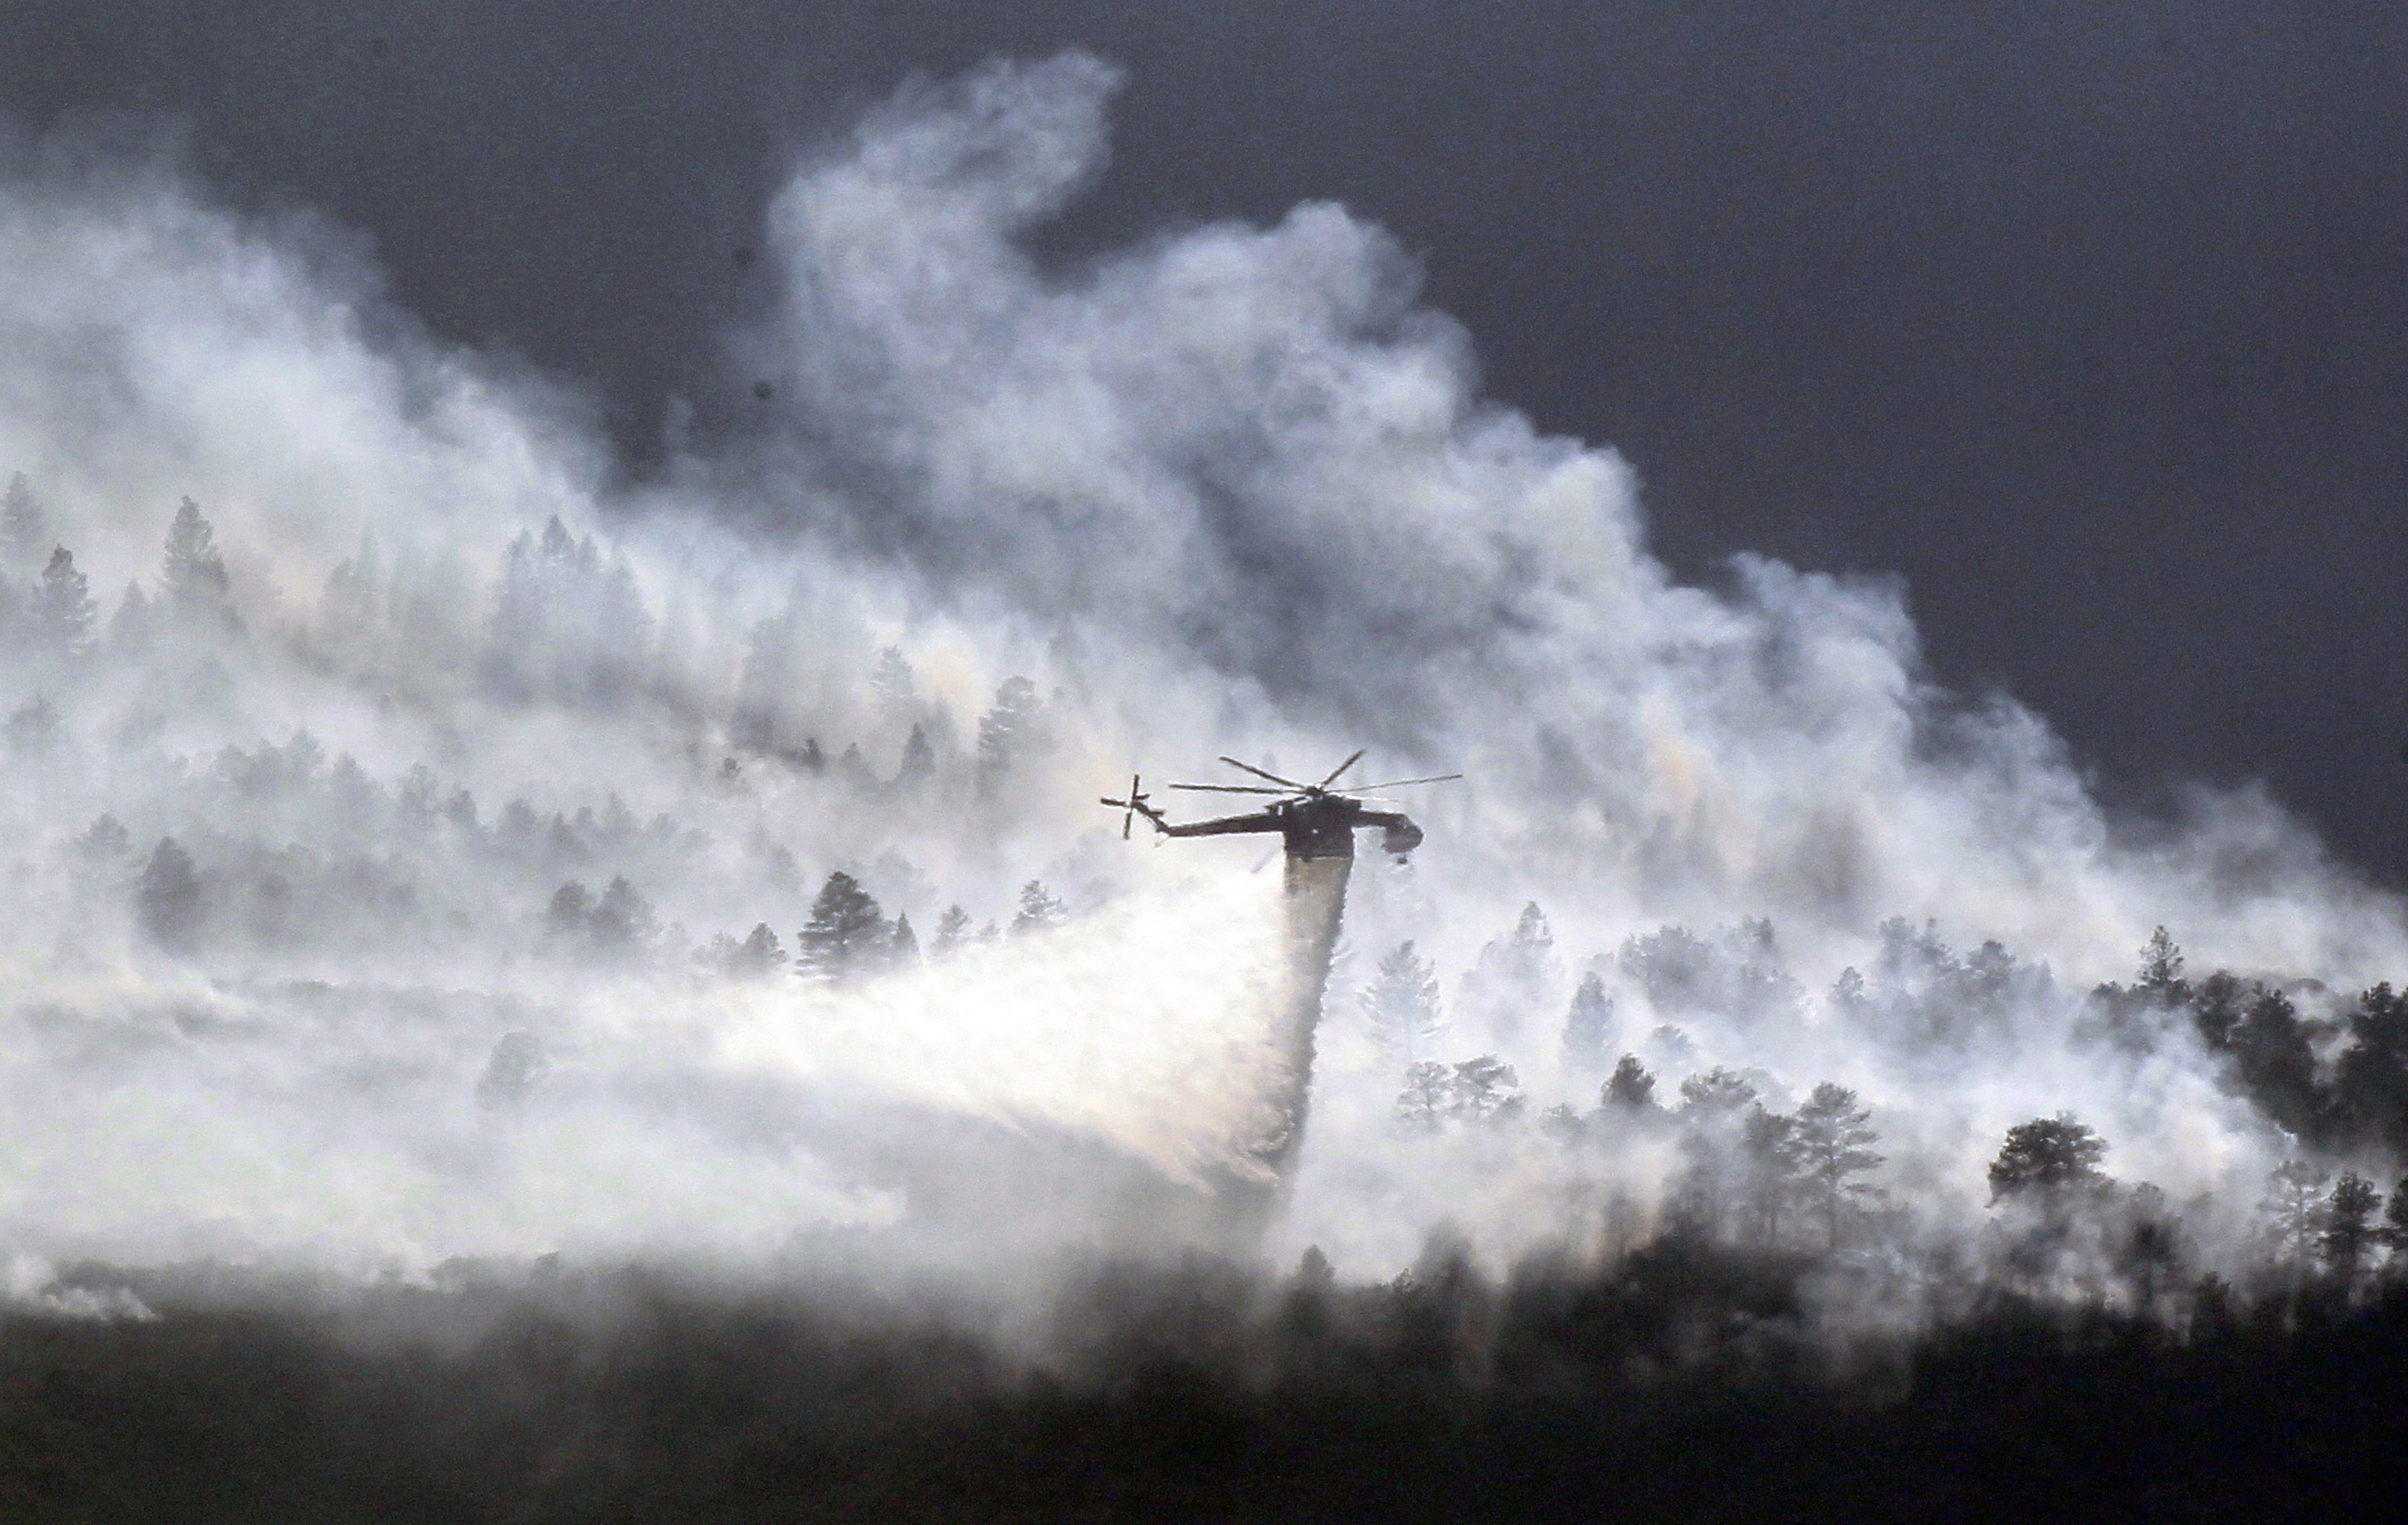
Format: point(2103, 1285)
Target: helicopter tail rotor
point(1129, 807)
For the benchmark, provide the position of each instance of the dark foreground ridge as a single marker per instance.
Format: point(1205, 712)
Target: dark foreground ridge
point(1681, 1383)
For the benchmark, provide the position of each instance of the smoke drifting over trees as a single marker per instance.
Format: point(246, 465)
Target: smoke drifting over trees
point(447, 854)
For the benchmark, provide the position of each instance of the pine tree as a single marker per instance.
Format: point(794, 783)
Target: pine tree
point(2394, 1232)
point(891, 684)
point(919, 757)
point(63, 608)
point(1679, 970)
point(1589, 1028)
point(1834, 1146)
point(511, 1070)
point(1513, 973)
point(194, 576)
point(1630, 1089)
point(1563, 1122)
point(1770, 1161)
point(1484, 1089)
point(2294, 1207)
point(1400, 1004)
point(32, 727)
point(129, 628)
point(2161, 970)
point(622, 923)
point(24, 527)
point(952, 931)
point(847, 936)
point(1040, 912)
point(515, 636)
point(1714, 1108)
point(355, 592)
point(758, 954)
point(2348, 1223)
point(2217, 1007)
point(2150, 1254)
point(761, 952)
point(2278, 1065)
point(855, 768)
point(765, 685)
point(904, 951)
point(167, 900)
point(104, 842)
point(1424, 1101)
point(571, 908)
point(1718, 1094)
point(2048, 1159)
point(2373, 1075)
point(1013, 731)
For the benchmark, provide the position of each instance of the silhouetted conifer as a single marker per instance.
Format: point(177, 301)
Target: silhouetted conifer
point(2161, 970)
point(891, 684)
point(168, 899)
point(32, 727)
point(1513, 974)
point(1484, 1089)
point(1834, 1143)
point(1630, 1089)
point(1040, 912)
point(2294, 1207)
point(129, 628)
point(847, 937)
point(2048, 1157)
point(622, 923)
point(919, 758)
point(1400, 1005)
point(24, 529)
point(1589, 1028)
point(2394, 1232)
point(952, 931)
point(2371, 1078)
point(572, 904)
point(1422, 1105)
point(105, 841)
point(2277, 1065)
point(62, 611)
point(2217, 1005)
point(511, 1070)
point(194, 575)
point(1013, 731)
point(353, 600)
point(2347, 1224)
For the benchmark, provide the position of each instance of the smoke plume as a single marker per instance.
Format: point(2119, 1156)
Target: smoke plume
point(382, 865)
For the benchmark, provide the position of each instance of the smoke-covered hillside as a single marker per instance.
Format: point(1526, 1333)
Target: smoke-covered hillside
point(432, 846)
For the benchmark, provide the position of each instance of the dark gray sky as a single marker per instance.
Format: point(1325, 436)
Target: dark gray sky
point(2089, 317)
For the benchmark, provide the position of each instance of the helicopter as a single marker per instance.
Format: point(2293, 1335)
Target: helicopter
point(1313, 819)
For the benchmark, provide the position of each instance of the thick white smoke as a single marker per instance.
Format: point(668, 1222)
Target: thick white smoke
point(1229, 490)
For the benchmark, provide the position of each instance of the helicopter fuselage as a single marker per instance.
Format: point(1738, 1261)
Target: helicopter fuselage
point(1314, 826)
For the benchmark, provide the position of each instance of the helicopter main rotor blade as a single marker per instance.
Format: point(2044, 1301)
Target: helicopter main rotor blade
point(1227, 789)
point(1341, 768)
point(1250, 768)
point(1400, 782)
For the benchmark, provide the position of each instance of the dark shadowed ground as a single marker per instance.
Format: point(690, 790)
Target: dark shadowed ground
point(1681, 1383)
